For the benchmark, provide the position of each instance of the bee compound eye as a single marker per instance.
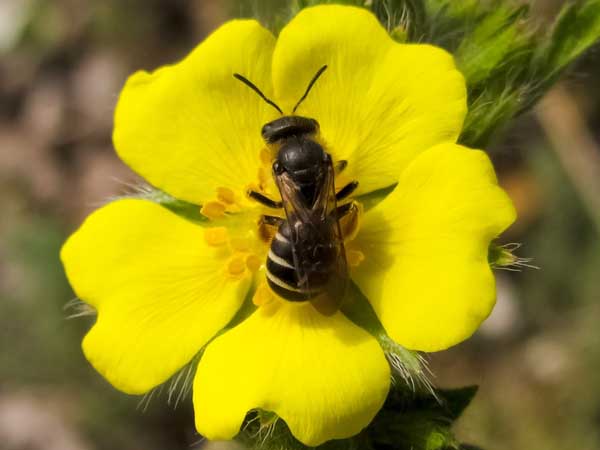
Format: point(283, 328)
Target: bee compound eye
point(277, 168)
point(266, 131)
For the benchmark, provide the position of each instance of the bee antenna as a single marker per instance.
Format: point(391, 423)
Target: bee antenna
point(310, 85)
point(251, 85)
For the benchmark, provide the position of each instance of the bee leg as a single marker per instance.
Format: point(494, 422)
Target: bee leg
point(340, 166)
point(272, 220)
point(348, 216)
point(264, 200)
point(344, 210)
point(268, 226)
point(346, 190)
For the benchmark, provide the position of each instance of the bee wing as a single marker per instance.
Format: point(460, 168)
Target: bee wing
point(317, 243)
point(299, 219)
point(336, 288)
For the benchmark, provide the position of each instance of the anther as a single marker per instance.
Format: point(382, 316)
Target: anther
point(213, 209)
point(226, 195)
point(265, 156)
point(236, 266)
point(253, 262)
point(216, 236)
point(262, 296)
point(263, 175)
point(354, 257)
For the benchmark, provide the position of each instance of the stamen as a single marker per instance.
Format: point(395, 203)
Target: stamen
point(213, 210)
point(216, 236)
point(263, 177)
point(262, 296)
point(354, 257)
point(253, 262)
point(236, 266)
point(265, 156)
point(226, 195)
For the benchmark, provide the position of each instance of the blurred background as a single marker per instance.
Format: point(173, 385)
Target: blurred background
point(62, 65)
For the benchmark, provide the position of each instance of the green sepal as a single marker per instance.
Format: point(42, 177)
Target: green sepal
point(489, 110)
point(404, 19)
point(264, 431)
point(420, 422)
point(445, 405)
point(297, 5)
point(187, 210)
point(507, 64)
point(494, 56)
point(409, 368)
point(576, 29)
point(453, 402)
point(407, 421)
point(370, 200)
point(500, 256)
point(504, 257)
point(492, 43)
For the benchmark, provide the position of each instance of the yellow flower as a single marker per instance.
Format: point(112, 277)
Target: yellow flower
point(165, 287)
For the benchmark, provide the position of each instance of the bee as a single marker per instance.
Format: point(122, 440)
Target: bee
point(306, 257)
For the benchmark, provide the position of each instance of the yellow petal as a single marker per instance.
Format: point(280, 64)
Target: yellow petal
point(426, 271)
point(379, 103)
point(158, 287)
point(191, 128)
point(324, 376)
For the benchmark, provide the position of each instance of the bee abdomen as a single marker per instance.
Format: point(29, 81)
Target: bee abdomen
point(281, 273)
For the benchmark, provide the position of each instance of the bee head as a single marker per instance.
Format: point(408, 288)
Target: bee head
point(287, 126)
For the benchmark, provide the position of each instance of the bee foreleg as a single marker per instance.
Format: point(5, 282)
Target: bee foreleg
point(264, 200)
point(346, 209)
point(346, 190)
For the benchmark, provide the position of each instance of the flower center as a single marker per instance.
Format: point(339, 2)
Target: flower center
point(239, 253)
point(257, 236)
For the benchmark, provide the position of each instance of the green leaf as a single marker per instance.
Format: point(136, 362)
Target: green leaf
point(577, 28)
point(489, 46)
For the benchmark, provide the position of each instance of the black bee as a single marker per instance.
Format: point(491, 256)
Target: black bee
point(306, 257)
